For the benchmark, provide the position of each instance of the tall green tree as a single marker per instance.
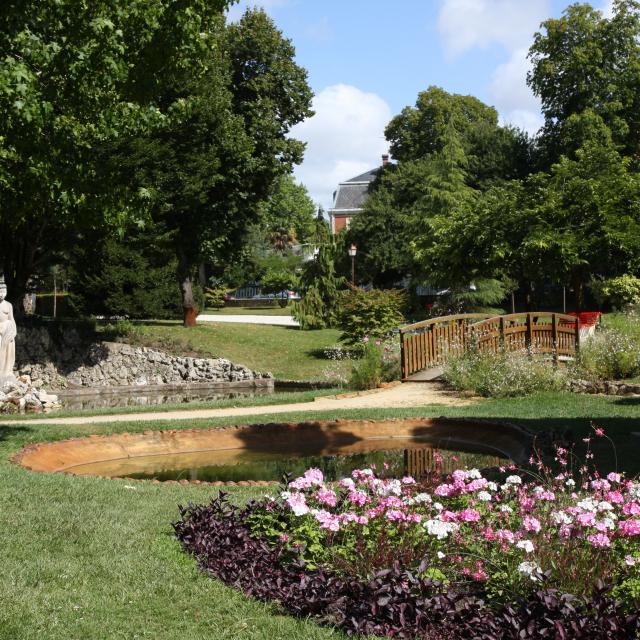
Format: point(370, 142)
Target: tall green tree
point(209, 173)
point(584, 61)
point(76, 76)
point(289, 208)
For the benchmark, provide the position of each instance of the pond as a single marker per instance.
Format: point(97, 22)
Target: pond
point(264, 452)
point(396, 462)
point(143, 398)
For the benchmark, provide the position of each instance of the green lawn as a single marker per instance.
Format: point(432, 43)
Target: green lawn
point(250, 311)
point(91, 558)
point(289, 353)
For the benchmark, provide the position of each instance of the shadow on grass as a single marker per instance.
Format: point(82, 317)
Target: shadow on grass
point(8, 431)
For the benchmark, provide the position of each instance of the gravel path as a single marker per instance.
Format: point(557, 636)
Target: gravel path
point(409, 394)
point(281, 321)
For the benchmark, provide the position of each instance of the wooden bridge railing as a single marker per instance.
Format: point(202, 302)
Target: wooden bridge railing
point(430, 343)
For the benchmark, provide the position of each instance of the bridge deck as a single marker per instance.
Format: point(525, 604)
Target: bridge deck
point(426, 375)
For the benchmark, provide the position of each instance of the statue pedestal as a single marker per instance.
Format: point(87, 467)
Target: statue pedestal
point(5, 379)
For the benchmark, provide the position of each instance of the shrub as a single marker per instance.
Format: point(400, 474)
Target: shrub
point(621, 291)
point(504, 374)
point(380, 362)
point(376, 313)
point(215, 297)
point(609, 354)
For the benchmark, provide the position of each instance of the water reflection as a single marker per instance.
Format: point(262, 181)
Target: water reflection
point(418, 462)
point(152, 398)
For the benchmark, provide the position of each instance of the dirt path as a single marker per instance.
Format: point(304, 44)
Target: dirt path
point(409, 394)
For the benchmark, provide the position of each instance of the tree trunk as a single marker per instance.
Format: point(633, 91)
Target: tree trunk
point(185, 280)
point(18, 266)
point(578, 288)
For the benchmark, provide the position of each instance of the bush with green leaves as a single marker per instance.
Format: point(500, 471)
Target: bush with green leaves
point(610, 354)
point(320, 288)
point(503, 374)
point(620, 292)
point(376, 313)
point(215, 296)
point(380, 362)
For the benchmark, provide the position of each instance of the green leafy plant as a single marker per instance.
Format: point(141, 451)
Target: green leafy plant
point(214, 296)
point(376, 313)
point(503, 374)
point(620, 292)
point(610, 354)
point(379, 363)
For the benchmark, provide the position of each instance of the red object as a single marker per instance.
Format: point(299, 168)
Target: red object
point(587, 318)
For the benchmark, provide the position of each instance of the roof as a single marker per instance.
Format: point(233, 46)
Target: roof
point(352, 193)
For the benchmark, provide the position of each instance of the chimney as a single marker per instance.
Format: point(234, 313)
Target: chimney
point(385, 159)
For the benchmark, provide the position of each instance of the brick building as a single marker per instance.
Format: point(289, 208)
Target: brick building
point(350, 196)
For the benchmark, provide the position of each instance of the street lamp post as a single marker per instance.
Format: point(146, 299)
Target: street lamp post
point(352, 252)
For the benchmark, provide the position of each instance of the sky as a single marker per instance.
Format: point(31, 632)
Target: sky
point(368, 59)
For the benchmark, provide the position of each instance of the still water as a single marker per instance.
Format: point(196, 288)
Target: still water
point(418, 460)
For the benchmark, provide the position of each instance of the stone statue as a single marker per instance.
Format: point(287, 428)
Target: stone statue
point(8, 331)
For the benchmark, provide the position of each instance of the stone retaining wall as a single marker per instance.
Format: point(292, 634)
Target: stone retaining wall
point(606, 387)
point(69, 360)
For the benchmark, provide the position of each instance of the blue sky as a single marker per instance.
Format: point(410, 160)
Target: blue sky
point(369, 59)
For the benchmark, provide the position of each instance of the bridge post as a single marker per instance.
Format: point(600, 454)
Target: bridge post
point(554, 337)
point(528, 336)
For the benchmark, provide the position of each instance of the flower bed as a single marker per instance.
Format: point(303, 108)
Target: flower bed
point(472, 555)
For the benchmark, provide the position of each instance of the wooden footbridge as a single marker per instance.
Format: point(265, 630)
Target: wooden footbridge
point(426, 346)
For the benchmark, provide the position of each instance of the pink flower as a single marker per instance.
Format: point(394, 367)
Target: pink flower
point(527, 504)
point(476, 485)
point(298, 504)
point(395, 515)
point(326, 496)
point(504, 535)
point(629, 527)
point(615, 497)
point(599, 540)
point(631, 509)
point(630, 561)
point(444, 490)
point(614, 477)
point(408, 480)
point(531, 524)
point(469, 515)
point(599, 431)
point(284, 537)
point(586, 519)
point(359, 498)
point(311, 477)
point(327, 520)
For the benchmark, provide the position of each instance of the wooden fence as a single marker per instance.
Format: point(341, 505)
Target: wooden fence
point(431, 343)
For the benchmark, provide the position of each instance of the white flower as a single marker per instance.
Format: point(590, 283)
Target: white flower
point(530, 569)
point(492, 486)
point(422, 497)
point(608, 523)
point(485, 496)
point(527, 545)
point(285, 495)
point(505, 508)
point(514, 480)
point(588, 504)
point(437, 506)
point(440, 529)
point(604, 506)
point(474, 474)
point(634, 490)
point(561, 517)
point(440, 555)
point(570, 483)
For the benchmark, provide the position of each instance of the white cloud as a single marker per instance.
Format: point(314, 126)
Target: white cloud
point(344, 138)
point(512, 97)
point(467, 24)
point(236, 10)
point(607, 9)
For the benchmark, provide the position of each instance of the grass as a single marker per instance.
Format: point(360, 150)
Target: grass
point(289, 353)
point(249, 401)
point(250, 311)
point(89, 558)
